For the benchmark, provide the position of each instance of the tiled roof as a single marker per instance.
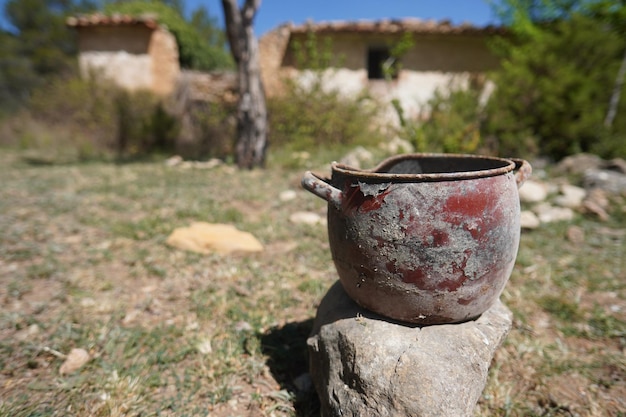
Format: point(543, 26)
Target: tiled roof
point(99, 19)
point(413, 25)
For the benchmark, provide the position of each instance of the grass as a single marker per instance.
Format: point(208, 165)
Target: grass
point(84, 264)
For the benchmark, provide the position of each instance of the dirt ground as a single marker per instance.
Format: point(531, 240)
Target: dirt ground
point(84, 264)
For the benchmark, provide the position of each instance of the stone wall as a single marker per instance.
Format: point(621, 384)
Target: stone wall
point(165, 65)
point(272, 50)
point(134, 57)
point(436, 61)
point(208, 86)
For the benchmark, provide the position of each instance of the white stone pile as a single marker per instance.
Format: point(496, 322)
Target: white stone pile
point(556, 199)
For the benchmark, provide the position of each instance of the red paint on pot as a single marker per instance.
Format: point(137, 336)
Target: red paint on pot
point(424, 238)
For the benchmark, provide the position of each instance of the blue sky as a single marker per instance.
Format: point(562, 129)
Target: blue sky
point(274, 12)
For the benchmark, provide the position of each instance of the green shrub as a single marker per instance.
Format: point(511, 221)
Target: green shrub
point(451, 122)
point(93, 118)
point(553, 89)
point(209, 131)
point(304, 119)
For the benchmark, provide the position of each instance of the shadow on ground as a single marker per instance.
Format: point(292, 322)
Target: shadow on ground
point(288, 361)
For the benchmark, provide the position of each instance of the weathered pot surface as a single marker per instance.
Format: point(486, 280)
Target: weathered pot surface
point(424, 238)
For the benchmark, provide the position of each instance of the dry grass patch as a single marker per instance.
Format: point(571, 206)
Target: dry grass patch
point(84, 264)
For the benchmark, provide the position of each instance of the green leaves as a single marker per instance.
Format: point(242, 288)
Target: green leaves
point(201, 47)
point(555, 81)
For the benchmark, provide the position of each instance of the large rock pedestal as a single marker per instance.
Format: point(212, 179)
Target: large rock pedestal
point(363, 364)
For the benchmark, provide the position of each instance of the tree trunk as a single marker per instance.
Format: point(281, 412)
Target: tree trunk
point(251, 109)
point(617, 90)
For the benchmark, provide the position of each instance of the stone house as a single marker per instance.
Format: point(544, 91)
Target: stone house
point(441, 55)
point(134, 52)
point(138, 53)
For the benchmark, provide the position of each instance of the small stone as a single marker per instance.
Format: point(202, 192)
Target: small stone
point(357, 157)
point(599, 197)
point(210, 164)
point(287, 195)
point(570, 196)
point(396, 146)
point(205, 238)
point(76, 359)
point(533, 192)
point(548, 213)
point(306, 217)
point(528, 220)
point(579, 163)
point(575, 234)
point(173, 161)
point(204, 347)
point(611, 182)
point(618, 165)
point(243, 326)
point(594, 208)
point(27, 333)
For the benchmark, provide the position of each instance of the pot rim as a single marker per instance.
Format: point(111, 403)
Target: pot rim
point(374, 174)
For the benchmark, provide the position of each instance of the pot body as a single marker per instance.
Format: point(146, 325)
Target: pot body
point(427, 248)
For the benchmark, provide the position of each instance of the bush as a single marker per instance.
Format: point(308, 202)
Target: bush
point(450, 122)
point(209, 130)
point(93, 118)
point(554, 87)
point(307, 118)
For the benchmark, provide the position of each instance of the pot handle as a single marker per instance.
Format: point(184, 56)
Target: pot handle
point(322, 188)
point(524, 171)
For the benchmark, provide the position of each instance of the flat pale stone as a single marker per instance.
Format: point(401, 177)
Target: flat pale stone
point(208, 238)
point(529, 220)
point(571, 196)
point(365, 365)
point(306, 217)
point(76, 359)
point(533, 192)
point(548, 213)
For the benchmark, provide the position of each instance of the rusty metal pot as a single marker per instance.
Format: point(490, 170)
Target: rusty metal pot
point(424, 238)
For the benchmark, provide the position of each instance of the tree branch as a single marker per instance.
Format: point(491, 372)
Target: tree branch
point(249, 10)
point(232, 17)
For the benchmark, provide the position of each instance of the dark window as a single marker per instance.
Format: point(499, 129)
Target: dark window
point(376, 58)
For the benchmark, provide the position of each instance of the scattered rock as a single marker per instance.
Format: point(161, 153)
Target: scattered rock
point(533, 192)
point(618, 165)
point(301, 156)
point(287, 195)
point(206, 238)
point(204, 346)
point(27, 333)
point(529, 220)
point(306, 217)
point(397, 146)
point(178, 161)
point(591, 207)
point(76, 359)
point(596, 203)
point(610, 181)
point(357, 157)
point(243, 326)
point(578, 164)
point(173, 161)
point(570, 196)
point(575, 234)
point(364, 365)
point(548, 213)
point(210, 164)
